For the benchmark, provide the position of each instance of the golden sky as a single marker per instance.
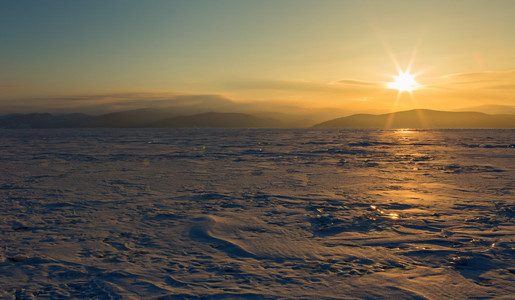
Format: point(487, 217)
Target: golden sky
point(343, 54)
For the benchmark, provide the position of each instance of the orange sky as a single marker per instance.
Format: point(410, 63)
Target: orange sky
point(78, 55)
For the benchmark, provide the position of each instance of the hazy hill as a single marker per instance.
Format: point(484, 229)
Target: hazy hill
point(491, 109)
point(133, 118)
point(422, 118)
point(219, 120)
point(43, 120)
point(162, 118)
point(128, 119)
point(141, 118)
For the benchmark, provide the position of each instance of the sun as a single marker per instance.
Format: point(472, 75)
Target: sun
point(405, 82)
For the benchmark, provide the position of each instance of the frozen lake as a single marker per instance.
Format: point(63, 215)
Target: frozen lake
point(188, 213)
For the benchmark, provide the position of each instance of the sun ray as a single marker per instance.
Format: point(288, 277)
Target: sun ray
point(415, 51)
point(405, 80)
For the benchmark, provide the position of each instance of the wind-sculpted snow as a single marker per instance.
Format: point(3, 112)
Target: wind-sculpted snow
point(259, 214)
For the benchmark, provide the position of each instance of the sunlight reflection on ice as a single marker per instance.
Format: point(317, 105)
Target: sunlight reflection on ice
point(404, 131)
point(383, 213)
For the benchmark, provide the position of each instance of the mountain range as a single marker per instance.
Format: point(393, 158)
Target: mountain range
point(158, 118)
point(141, 118)
point(422, 118)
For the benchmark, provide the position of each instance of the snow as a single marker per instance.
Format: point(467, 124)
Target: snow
point(253, 213)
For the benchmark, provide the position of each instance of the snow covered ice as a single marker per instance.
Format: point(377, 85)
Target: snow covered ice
point(252, 213)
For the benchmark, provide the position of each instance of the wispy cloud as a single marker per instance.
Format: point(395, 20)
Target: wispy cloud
point(276, 85)
point(352, 82)
point(339, 92)
point(445, 92)
point(498, 80)
point(454, 91)
point(302, 85)
point(180, 103)
point(107, 102)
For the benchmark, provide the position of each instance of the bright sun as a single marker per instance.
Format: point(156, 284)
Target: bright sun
point(405, 82)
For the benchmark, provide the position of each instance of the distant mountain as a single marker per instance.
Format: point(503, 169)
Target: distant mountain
point(125, 119)
point(165, 118)
point(140, 118)
point(128, 119)
point(491, 109)
point(288, 120)
point(422, 118)
point(43, 120)
point(219, 120)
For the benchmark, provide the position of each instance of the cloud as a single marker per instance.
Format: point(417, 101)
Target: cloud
point(351, 82)
point(331, 93)
point(454, 91)
point(301, 85)
point(350, 95)
point(108, 102)
point(276, 85)
point(159, 99)
point(490, 84)
point(179, 103)
point(497, 80)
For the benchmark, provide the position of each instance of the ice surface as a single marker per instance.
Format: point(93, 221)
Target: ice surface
point(190, 213)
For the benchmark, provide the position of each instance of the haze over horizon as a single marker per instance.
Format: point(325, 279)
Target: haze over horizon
point(103, 56)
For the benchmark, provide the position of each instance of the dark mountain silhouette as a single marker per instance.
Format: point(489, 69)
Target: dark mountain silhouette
point(125, 119)
point(422, 118)
point(219, 120)
point(128, 119)
point(140, 118)
point(43, 120)
point(155, 118)
point(289, 120)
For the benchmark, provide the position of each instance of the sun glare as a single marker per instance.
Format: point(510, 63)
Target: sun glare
point(405, 82)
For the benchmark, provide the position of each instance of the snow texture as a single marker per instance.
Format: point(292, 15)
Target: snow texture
point(253, 213)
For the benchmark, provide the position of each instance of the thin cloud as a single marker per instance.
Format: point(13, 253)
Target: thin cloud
point(274, 85)
point(498, 80)
point(359, 83)
point(347, 88)
point(101, 103)
point(445, 92)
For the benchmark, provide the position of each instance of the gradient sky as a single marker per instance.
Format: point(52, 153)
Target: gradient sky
point(309, 53)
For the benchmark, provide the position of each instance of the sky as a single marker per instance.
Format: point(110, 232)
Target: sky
point(118, 54)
